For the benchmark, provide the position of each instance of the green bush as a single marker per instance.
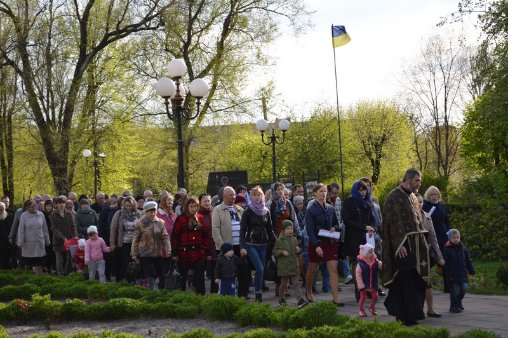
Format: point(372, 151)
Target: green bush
point(117, 308)
point(196, 333)
point(502, 275)
point(132, 291)
point(73, 309)
point(313, 315)
point(44, 308)
point(477, 333)
point(221, 307)
point(256, 333)
point(24, 291)
point(256, 315)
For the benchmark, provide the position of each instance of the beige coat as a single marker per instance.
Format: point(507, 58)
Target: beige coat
point(151, 238)
point(221, 224)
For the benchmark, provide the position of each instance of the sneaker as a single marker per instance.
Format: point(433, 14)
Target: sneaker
point(282, 302)
point(373, 311)
point(348, 279)
point(461, 307)
point(302, 302)
point(326, 289)
point(455, 310)
point(362, 313)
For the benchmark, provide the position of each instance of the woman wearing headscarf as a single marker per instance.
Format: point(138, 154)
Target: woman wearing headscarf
point(191, 245)
point(149, 243)
point(33, 237)
point(122, 232)
point(255, 233)
point(357, 217)
point(281, 209)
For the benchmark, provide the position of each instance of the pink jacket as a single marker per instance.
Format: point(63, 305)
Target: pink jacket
point(94, 249)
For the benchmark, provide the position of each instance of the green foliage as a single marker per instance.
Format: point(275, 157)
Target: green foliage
point(482, 213)
point(24, 291)
point(502, 275)
point(256, 315)
point(221, 307)
point(73, 308)
point(477, 333)
point(196, 333)
point(114, 309)
point(256, 333)
point(313, 315)
point(43, 307)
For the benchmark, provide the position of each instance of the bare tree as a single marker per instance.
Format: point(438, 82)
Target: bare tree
point(436, 83)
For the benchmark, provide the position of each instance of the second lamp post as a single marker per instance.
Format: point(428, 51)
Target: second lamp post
point(98, 160)
point(262, 126)
point(173, 91)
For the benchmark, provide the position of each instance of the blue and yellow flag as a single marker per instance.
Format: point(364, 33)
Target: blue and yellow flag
point(339, 36)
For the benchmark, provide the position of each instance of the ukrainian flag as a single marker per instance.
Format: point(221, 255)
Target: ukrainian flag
point(339, 36)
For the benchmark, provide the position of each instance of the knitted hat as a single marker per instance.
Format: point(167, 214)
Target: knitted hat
point(286, 223)
point(240, 198)
point(81, 242)
point(149, 206)
point(364, 249)
point(226, 247)
point(451, 232)
point(91, 229)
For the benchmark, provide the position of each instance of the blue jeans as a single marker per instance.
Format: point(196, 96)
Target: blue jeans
point(326, 276)
point(227, 287)
point(257, 256)
point(457, 292)
point(345, 267)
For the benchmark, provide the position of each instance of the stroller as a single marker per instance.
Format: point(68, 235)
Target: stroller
point(71, 245)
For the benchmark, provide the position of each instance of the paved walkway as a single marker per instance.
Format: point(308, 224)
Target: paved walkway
point(483, 312)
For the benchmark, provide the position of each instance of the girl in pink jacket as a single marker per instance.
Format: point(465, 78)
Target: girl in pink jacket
point(94, 258)
point(367, 278)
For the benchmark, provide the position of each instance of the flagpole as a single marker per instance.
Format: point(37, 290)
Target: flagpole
point(338, 121)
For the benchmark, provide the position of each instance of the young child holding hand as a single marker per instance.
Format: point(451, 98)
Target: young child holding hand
point(367, 272)
point(286, 251)
point(94, 258)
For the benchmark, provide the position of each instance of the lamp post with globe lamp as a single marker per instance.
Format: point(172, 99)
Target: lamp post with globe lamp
point(273, 139)
point(171, 89)
point(97, 161)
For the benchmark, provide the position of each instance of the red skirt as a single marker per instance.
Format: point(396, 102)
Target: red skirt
point(330, 251)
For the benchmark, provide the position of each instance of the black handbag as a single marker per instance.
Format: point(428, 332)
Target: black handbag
point(270, 271)
point(173, 279)
point(133, 272)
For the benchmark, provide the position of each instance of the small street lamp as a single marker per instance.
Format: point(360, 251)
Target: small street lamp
point(262, 126)
point(97, 162)
point(173, 91)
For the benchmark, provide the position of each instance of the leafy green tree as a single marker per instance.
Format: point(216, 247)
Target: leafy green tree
point(378, 127)
point(53, 47)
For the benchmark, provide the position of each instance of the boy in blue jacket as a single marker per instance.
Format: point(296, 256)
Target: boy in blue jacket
point(457, 265)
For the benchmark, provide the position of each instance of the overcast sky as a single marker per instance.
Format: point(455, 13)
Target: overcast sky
point(384, 34)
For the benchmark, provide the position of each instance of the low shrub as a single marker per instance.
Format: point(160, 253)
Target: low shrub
point(196, 333)
point(132, 291)
point(313, 315)
point(502, 275)
point(477, 333)
point(256, 333)
point(24, 291)
point(73, 309)
point(256, 315)
point(117, 308)
point(221, 307)
point(44, 308)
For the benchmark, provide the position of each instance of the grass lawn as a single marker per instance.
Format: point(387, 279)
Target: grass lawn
point(483, 283)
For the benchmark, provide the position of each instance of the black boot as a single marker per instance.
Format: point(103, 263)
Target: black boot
point(259, 297)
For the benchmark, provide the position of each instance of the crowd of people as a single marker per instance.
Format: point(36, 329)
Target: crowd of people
point(225, 237)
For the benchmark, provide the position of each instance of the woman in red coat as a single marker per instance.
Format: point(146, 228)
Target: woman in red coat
point(190, 244)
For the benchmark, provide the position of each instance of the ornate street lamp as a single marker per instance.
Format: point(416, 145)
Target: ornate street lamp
point(262, 126)
point(172, 90)
point(97, 162)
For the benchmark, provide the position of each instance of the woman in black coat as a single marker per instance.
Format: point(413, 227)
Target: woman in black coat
point(357, 218)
